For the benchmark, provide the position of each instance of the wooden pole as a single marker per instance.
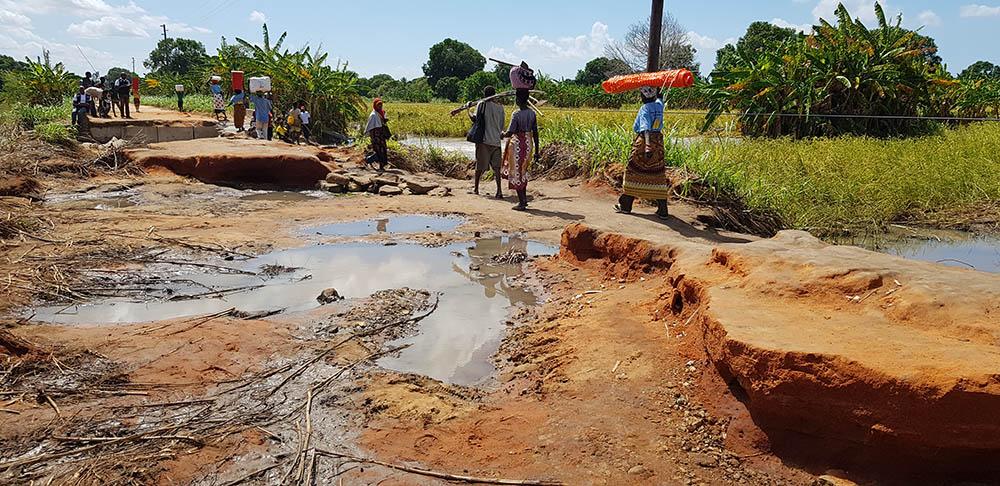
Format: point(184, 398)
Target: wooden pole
point(655, 36)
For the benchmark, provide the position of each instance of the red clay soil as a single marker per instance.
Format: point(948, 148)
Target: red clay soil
point(845, 358)
point(239, 161)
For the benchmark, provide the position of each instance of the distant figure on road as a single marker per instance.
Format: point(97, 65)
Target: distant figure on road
point(88, 82)
point(239, 104)
point(180, 98)
point(378, 130)
point(522, 148)
point(82, 104)
point(218, 102)
point(123, 87)
point(294, 122)
point(135, 92)
point(306, 119)
point(646, 174)
point(261, 114)
point(488, 122)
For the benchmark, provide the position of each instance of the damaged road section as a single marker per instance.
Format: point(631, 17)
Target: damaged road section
point(845, 358)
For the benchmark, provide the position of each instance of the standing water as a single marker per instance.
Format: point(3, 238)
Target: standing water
point(454, 344)
point(951, 248)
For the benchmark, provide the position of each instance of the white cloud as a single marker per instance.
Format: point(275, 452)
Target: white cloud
point(976, 10)
point(860, 9)
point(584, 46)
point(929, 18)
point(108, 26)
point(258, 17)
point(14, 19)
point(788, 25)
point(705, 44)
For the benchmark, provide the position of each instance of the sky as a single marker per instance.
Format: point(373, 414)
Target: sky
point(394, 36)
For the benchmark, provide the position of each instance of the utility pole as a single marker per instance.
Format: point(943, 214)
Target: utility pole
point(133, 66)
point(165, 30)
point(655, 36)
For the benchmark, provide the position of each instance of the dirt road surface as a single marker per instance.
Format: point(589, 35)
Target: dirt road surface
point(610, 378)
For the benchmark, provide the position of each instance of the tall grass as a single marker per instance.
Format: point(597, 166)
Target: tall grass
point(855, 183)
point(198, 103)
point(433, 120)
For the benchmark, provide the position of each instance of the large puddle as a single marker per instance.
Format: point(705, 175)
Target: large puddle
point(455, 145)
point(404, 224)
point(951, 248)
point(455, 343)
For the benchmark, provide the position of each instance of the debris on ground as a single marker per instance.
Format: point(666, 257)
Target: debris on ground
point(512, 256)
point(329, 296)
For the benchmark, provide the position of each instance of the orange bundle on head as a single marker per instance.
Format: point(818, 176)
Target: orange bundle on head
point(674, 78)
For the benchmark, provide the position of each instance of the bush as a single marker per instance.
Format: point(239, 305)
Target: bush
point(54, 133)
point(448, 88)
point(473, 86)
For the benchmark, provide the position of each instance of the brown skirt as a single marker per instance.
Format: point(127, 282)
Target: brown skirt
point(646, 177)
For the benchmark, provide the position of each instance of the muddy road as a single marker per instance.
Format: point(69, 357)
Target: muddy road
point(235, 336)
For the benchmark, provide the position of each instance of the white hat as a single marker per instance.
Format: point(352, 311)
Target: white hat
point(647, 91)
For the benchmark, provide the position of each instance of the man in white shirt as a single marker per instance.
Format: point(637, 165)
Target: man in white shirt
point(488, 153)
point(305, 117)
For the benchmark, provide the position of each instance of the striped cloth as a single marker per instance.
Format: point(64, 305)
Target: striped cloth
point(646, 177)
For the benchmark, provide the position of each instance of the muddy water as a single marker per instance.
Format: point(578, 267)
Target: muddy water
point(412, 223)
point(951, 248)
point(456, 145)
point(455, 343)
point(279, 196)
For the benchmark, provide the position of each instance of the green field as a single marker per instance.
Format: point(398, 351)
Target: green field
point(823, 185)
point(197, 103)
point(433, 120)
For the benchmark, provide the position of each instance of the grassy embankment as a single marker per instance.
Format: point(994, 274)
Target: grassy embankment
point(860, 184)
point(827, 186)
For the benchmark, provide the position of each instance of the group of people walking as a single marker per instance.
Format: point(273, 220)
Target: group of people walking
point(104, 98)
point(645, 175)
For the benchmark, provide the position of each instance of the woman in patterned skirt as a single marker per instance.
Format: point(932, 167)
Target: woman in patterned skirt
point(646, 175)
point(522, 148)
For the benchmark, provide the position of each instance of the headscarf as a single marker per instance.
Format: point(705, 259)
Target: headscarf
point(377, 106)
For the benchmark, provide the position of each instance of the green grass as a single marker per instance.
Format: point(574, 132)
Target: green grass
point(433, 120)
point(55, 132)
point(855, 183)
point(197, 103)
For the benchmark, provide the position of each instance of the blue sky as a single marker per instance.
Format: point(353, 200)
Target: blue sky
point(393, 36)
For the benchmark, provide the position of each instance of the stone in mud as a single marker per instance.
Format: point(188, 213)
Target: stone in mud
point(419, 186)
point(362, 180)
point(440, 192)
point(329, 187)
point(389, 191)
point(354, 187)
point(386, 180)
point(329, 296)
point(339, 179)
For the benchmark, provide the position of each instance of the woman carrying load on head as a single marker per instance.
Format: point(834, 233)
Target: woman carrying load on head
point(522, 146)
point(646, 175)
point(522, 149)
point(218, 102)
point(378, 130)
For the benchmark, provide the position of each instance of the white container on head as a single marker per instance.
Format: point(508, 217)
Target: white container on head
point(179, 88)
point(217, 79)
point(260, 84)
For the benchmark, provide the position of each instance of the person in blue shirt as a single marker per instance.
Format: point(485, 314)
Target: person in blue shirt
point(646, 174)
point(261, 114)
point(238, 102)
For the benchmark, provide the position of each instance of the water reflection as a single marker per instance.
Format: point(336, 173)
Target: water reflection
point(951, 248)
point(455, 343)
point(413, 223)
